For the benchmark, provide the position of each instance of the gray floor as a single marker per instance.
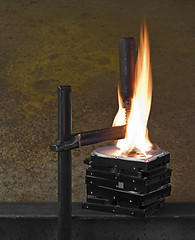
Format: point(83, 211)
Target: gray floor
point(39, 221)
point(44, 44)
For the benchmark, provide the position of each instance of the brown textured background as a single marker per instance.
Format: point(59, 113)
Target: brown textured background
point(44, 44)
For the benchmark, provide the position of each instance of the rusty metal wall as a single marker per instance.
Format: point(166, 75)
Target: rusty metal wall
point(44, 44)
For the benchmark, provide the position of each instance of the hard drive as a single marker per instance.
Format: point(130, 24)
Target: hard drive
point(116, 209)
point(139, 174)
point(128, 178)
point(131, 197)
point(101, 158)
point(131, 185)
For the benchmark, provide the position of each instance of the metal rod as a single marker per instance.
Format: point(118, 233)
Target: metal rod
point(102, 135)
point(127, 60)
point(64, 165)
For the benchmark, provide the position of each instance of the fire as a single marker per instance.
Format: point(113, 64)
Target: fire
point(136, 139)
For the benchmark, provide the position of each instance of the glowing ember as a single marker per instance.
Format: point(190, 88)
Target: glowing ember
point(136, 139)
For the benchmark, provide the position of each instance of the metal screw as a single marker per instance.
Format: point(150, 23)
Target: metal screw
point(87, 207)
point(135, 188)
point(132, 213)
point(133, 180)
point(91, 173)
point(91, 181)
point(91, 192)
point(114, 198)
point(115, 177)
point(113, 210)
point(130, 200)
point(134, 168)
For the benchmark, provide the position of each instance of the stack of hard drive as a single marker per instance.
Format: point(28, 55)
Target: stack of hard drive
point(127, 184)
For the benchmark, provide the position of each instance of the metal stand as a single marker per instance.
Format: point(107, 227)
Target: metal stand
point(67, 141)
point(64, 164)
point(63, 145)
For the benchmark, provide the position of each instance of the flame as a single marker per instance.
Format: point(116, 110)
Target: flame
point(136, 138)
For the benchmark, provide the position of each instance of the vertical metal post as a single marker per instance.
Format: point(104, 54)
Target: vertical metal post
point(64, 164)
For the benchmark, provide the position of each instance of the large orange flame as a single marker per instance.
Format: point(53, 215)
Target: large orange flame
point(136, 138)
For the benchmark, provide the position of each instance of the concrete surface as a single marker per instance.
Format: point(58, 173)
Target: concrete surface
point(44, 44)
point(32, 221)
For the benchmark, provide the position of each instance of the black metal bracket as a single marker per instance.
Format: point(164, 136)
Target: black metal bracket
point(58, 146)
point(87, 138)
